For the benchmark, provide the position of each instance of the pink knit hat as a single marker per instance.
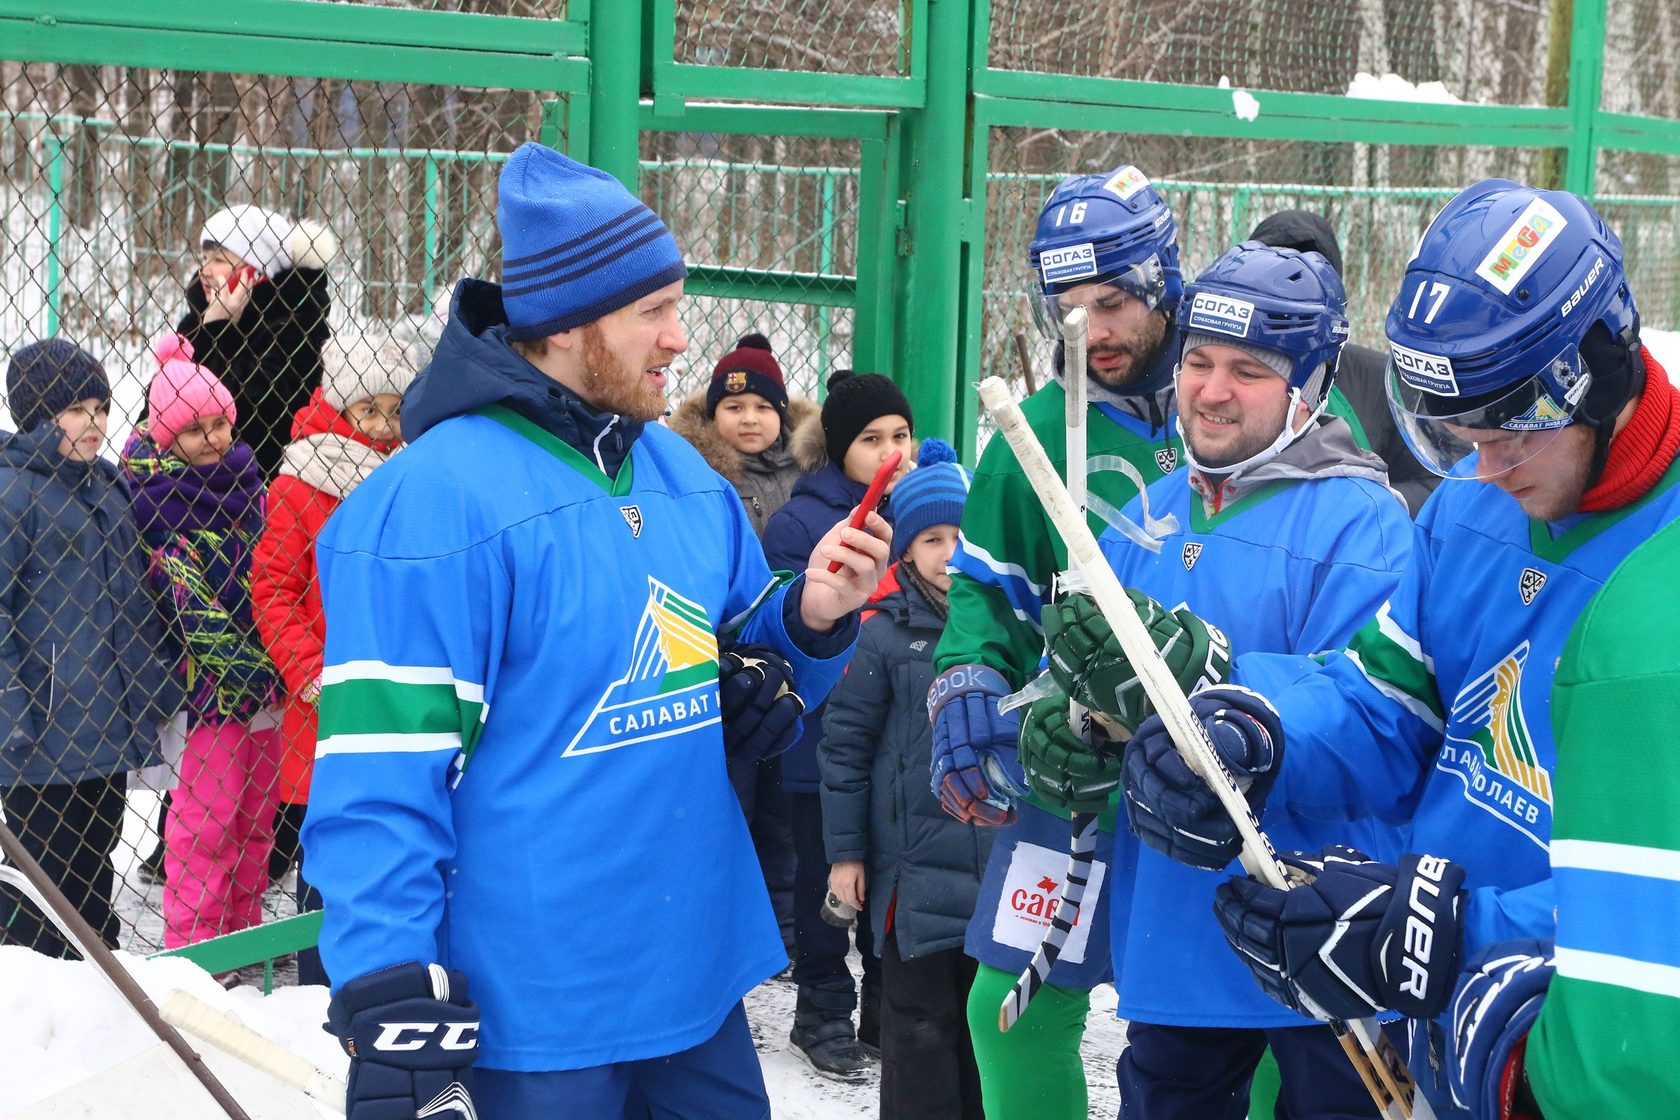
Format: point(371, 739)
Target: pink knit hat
point(183, 391)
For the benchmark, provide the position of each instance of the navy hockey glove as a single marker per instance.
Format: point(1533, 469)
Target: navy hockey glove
point(412, 1035)
point(759, 706)
point(1063, 770)
point(1172, 810)
point(976, 774)
point(1088, 664)
point(1355, 938)
point(1499, 997)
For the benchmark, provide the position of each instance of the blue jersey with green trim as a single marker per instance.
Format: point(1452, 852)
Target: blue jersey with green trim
point(520, 771)
point(1292, 568)
point(1437, 717)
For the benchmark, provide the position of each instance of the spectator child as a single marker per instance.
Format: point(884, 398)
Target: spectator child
point(865, 418)
point(257, 316)
point(743, 425)
point(349, 427)
point(896, 854)
point(84, 681)
point(198, 498)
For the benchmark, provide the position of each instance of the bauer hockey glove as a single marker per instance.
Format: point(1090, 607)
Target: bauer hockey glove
point(975, 773)
point(1063, 770)
point(1355, 938)
point(759, 706)
point(1088, 664)
point(1170, 808)
point(1499, 997)
point(412, 1035)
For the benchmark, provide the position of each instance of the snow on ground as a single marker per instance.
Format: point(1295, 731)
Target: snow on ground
point(1392, 87)
point(61, 1024)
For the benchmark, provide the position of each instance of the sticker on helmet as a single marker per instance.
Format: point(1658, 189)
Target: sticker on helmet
point(1543, 415)
point(1126, 182)
point(1516, 250)
point(1071, 262)
point(1429, 372)
point(1220, 314)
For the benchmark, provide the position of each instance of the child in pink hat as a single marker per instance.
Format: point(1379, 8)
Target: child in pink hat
point(198, 496)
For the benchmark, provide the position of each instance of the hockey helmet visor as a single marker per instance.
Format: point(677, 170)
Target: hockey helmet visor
point(1503, 429)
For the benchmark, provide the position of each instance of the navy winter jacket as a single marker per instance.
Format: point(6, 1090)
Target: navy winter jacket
point(877, 806)
point(819, 500)
point(84, 680)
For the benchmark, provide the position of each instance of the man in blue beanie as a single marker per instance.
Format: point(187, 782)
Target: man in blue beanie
point(520, 780)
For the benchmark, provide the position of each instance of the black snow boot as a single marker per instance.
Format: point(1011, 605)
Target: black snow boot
point(823, 1035)
point(869, 1018)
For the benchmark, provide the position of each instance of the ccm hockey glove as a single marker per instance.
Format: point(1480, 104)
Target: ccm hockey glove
point(1170, 808)
point(1063, 770)
point(412, 1035)
point(975, 773)
point(1088, 664)
point(1499, 997)
point(1355, 938)
point(760, 709)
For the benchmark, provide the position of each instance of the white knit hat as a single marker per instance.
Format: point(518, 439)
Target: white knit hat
point(366, 364)
point(267, 241)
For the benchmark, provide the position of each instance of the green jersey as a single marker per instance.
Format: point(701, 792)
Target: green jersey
point(1603, 1046)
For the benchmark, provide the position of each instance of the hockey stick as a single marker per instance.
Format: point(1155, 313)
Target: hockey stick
point(229, 1035)
point(1082, 848)
point(1379, 1065)
point(45, 893)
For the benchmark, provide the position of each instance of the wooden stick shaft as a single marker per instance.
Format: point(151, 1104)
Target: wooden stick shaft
point(93, 946)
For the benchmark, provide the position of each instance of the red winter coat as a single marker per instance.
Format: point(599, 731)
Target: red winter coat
point(285, 588)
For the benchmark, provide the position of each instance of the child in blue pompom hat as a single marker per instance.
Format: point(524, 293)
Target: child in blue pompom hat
point(913, 870)
point(540, 896)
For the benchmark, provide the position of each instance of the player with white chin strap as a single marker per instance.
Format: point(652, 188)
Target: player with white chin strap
point(1516, 371)
point(1106, 243)
point(1288, 538)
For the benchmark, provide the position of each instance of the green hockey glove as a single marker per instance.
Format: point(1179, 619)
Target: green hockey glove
point(1088, 664)
point(1064, 771)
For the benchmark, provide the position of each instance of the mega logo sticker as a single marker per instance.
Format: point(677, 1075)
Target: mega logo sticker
point(1126, 182)
point(1071, 262)
point(1516, 250)
point(1430, 372)
point(1220, 314)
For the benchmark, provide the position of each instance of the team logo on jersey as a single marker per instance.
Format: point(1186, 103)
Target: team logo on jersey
point(1530, 584)
point(668, 688)
point(919, 645)
point(1167, 459)
point(1490, 748)
point(1192, 552)
point(1516, 250)
point(632, 518)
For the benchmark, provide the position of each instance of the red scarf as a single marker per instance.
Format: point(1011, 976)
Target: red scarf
point(1641, 452)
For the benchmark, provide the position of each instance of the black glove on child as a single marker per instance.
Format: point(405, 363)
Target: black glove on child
point(412, 1036)
point(759, 706)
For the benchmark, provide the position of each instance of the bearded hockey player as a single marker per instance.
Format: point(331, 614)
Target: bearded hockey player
point(1516, 371)
point(1288, 537)
point(520, 782)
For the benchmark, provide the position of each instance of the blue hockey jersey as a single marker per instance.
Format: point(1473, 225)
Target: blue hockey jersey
point(1312, 547)
point(520, 772)
point(1436, 720)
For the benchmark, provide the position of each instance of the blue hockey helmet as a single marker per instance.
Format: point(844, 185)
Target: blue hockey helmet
point(1265, 298)
point(1507, 285)
point(1113, 228)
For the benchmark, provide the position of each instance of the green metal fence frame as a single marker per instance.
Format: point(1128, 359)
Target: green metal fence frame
point(611, 69)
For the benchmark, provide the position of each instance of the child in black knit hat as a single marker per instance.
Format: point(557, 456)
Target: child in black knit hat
point(864, 420)
point(743, 424)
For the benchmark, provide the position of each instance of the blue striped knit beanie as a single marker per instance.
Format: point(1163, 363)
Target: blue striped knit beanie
point(575, 244)
point(932, 494)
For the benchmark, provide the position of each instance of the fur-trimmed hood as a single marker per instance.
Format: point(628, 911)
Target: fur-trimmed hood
point(691, 422)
